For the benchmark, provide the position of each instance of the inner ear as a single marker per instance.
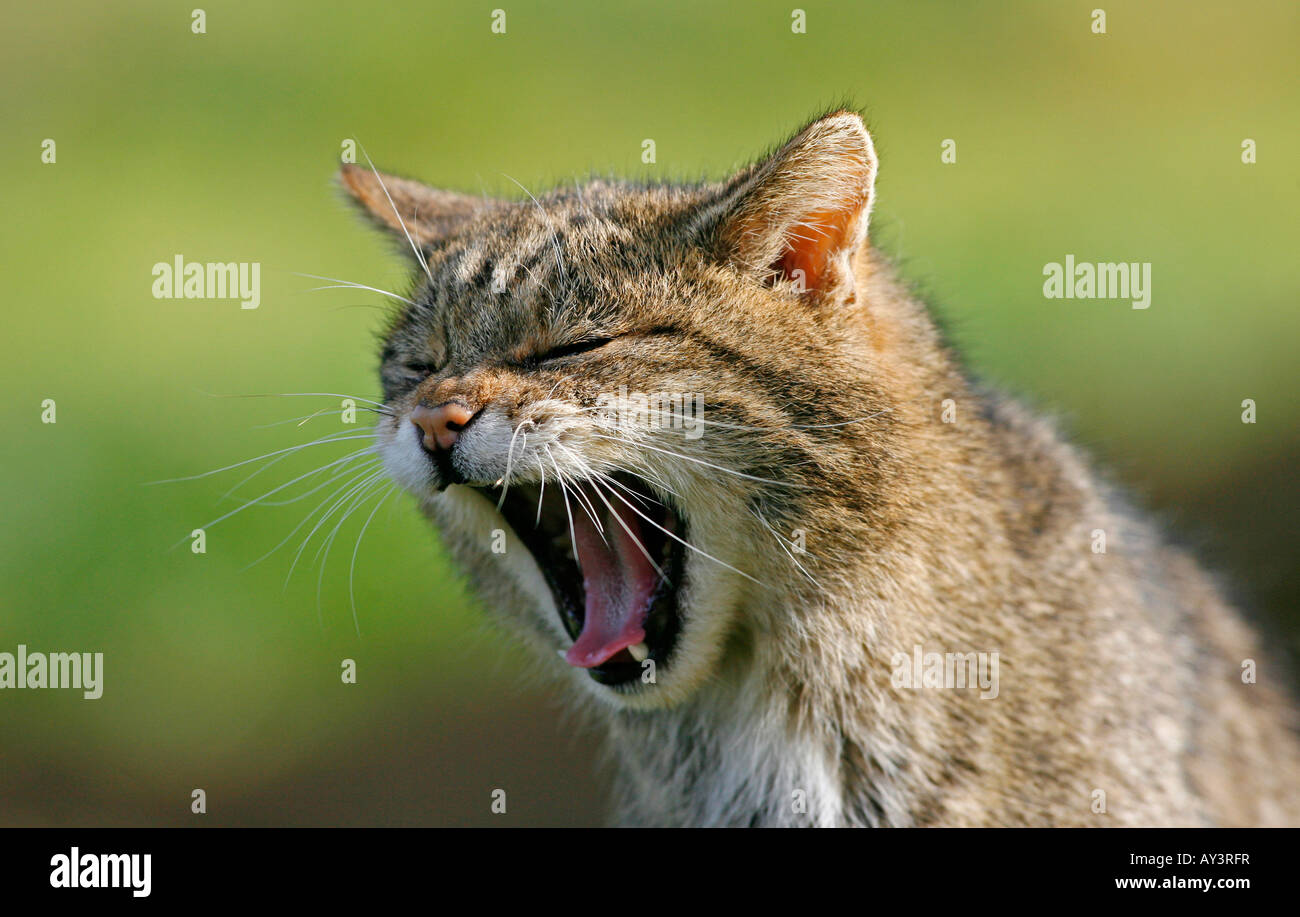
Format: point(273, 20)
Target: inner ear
point(812, 247)
point(800, 216)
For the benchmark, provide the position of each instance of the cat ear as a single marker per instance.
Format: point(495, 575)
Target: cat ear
point(407, 206)
point(801, 215)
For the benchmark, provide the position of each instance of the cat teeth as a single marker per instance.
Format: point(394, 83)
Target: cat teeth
point(639, 651)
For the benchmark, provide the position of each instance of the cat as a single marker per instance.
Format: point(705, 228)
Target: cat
point(701, 448)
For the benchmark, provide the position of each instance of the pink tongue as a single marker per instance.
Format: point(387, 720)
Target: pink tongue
point(618, 580)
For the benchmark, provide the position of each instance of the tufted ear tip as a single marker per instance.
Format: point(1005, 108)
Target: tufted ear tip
point(353, 179)
point(405, 206)
point(800, 215)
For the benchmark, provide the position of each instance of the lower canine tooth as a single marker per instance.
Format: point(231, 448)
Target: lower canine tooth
point(639, 651)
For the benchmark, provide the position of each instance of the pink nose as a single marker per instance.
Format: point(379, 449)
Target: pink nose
point(441, 425)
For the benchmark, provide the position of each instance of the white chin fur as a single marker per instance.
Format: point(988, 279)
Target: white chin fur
point(470, 511)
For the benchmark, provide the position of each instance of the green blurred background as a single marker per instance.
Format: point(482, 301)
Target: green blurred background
point(223, 147)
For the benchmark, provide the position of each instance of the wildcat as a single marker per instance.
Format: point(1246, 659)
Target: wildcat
point(737, 609)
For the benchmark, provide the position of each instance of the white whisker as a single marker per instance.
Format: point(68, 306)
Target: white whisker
point(302, 419)
point(336, 284)
point(419, 255)
point(229, 493)
point(352, 568)
point(344, 471)
point(257, 500)
point(300, 395)
point(541, 492)
point(564, 492)
point(780, 540)
point(595, 487)
point(333, 509)
point(684, 418)
point(367, 489)
point(689, 545)
point(331, 438)
point(510, 455)
point(353, 475)
point(688, 458)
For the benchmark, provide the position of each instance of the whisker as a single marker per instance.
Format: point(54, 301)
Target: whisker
point(586, 505)
point(541, 493)
point(780, 540)
point(691, 546)
point(364, 493)
point(355, 475)
point(645, 473)
point(302, 419)
point(564, 492)
point(257, 500)
point(331, 438)
point(360, 492)
point(688, 458)
point(343, 472)
point(747, 427)
point(595, 487)
point(610, 479)
point(276, 461)
point(352, 568)
point(336, 284)
point(419, 255)
point(299, 395)
point(333, 509)
point(510, 454)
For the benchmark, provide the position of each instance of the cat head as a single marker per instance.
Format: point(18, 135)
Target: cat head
point(617, 402)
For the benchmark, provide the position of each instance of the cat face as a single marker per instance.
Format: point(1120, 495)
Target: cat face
point(612, 400)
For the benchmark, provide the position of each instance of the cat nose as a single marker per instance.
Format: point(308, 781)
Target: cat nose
point(441, 426)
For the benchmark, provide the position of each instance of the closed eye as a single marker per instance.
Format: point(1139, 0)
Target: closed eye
point(570, 350)
point(421, 368)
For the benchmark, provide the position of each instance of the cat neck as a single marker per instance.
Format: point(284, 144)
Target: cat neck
point(765, 744)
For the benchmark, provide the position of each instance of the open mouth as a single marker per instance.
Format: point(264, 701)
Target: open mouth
point(613, 563)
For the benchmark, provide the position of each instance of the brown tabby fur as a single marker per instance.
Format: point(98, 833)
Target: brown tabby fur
point(1120, 672)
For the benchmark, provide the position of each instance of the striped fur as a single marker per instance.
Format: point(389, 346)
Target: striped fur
point(1120, 672)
